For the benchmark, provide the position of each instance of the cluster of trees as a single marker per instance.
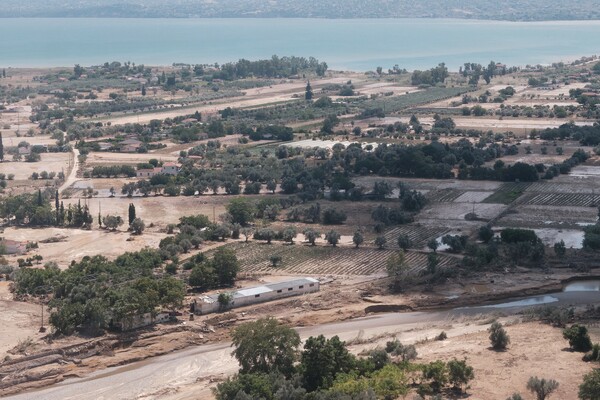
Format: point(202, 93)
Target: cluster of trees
point(273, 367)
point(313, 214)
point(276, 67)
point(29, 209)
point(113, 171)
point(586, 135)
point(218, 272)
point(95, 294)
point(431, 77)
point(475, 71)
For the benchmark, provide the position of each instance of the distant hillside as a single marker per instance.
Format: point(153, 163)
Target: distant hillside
point(522, 10)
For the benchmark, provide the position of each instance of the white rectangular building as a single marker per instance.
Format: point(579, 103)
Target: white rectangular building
point(258, 294)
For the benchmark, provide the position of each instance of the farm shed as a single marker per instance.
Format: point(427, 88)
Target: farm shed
point(258, 294)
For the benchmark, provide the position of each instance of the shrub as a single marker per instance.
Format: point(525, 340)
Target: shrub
point(333, 217)
point(590, 388)
point(441, 336)
point(460, 373)
point(578, 337)
point(498, 336)
point(541, 387)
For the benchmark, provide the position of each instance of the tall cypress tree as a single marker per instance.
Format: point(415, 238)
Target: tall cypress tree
point(57, 206)
point(309, 93)
point(1, 148)
point(131, 213)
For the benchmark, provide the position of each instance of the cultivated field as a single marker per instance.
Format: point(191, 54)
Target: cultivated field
point(302, 259)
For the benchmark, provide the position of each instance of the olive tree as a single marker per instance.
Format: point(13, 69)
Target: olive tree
point(265, 345)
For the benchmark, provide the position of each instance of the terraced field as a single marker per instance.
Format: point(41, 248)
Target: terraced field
point(324, 260)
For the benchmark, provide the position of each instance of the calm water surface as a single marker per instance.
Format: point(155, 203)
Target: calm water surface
point(360, 44)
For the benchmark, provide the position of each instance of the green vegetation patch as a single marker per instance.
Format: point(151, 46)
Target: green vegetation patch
point(507, 193)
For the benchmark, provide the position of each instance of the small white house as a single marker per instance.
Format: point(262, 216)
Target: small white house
point(258, 294)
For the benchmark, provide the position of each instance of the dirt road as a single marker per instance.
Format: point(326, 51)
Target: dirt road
point(167, 376)
point(72, 174)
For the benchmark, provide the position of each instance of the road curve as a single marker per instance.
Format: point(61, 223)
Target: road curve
point(145, 378)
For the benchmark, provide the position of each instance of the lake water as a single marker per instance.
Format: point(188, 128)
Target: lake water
point(360, 45)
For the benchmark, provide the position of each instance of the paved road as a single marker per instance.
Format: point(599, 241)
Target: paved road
point(141, 379)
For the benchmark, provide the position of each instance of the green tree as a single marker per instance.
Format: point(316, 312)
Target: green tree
point(433, 244)
point(560, 249)
point(590, 388)
point(289, 234)
point(309, 93)
point(137, 226)
point(460, 373)
point(311, 236)
point(264, 234)
point(397, 268)
point(541, 387)
point(203, 277)
point(498, 336)
point(1, 148)
point(578, 337)
point(380, 242)
point(485, 234)
point(432, 263)
point(437, 374)
point(131, 213)
point(265, 345)
point(332, 237)
point(322, 360)
point(225, 265)
point(358, 238)
point(241, 210)
point(404, 242)
point(112, 222)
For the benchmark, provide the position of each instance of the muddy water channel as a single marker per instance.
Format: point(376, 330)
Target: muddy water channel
point(579, 292)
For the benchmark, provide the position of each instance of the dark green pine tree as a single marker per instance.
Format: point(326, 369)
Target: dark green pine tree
point(143, 90)
point(1, 148)
point(40, 200)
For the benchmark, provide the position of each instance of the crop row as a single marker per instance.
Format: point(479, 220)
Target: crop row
point(444, 195)
point(562, 199)
point(323, 260)
point(419, 235)
point(552, 187)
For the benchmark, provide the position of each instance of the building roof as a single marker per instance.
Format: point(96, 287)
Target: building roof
point(253, 291)
point(286, 284)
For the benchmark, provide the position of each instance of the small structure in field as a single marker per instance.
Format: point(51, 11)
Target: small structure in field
point(257, 294)
point(140, 321)
point(13, 246)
